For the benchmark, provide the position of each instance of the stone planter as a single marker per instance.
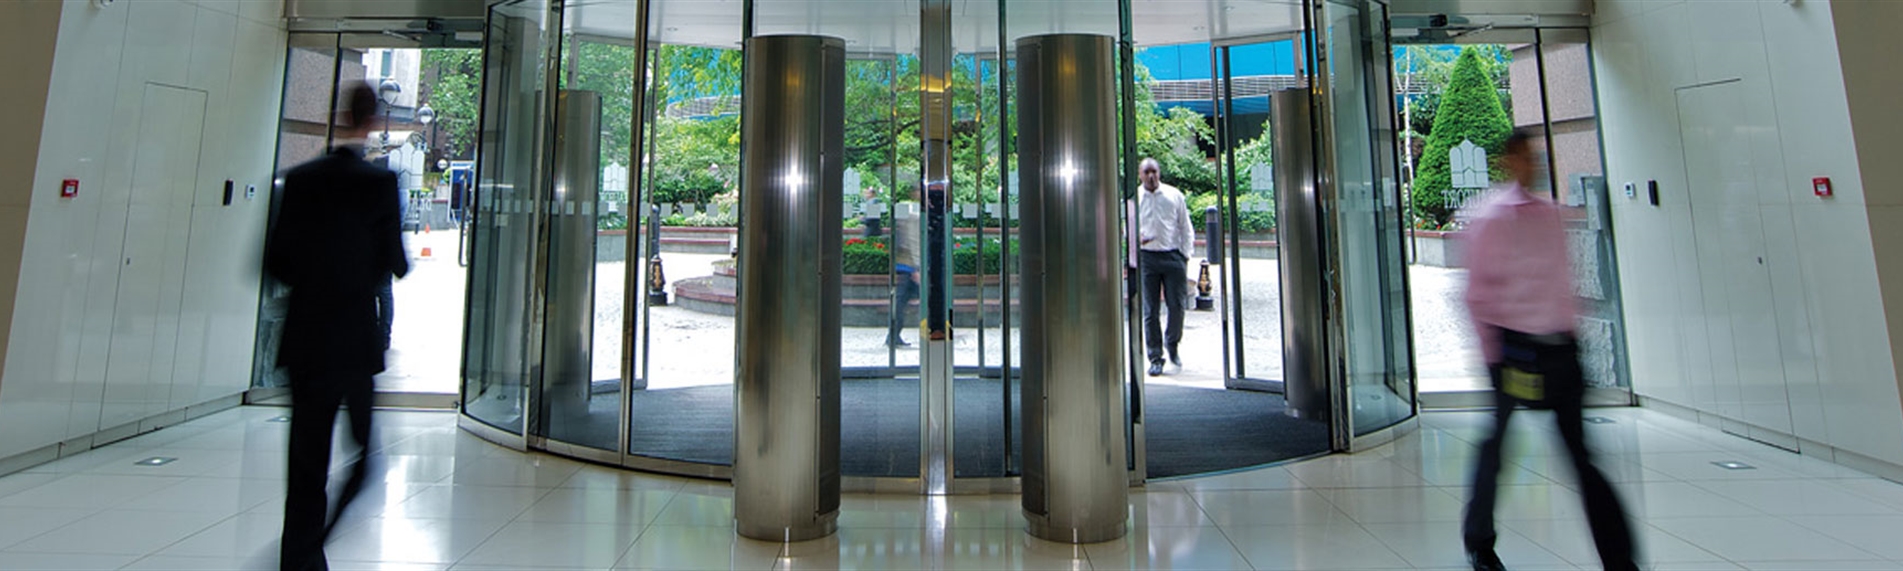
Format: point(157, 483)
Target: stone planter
point(1434, 248)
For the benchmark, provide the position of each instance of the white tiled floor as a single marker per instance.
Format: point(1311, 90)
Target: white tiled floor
point(450, 501)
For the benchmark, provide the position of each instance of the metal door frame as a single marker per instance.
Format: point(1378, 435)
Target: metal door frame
point(1222, 97)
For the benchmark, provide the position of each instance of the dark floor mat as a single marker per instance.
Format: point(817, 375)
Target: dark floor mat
point(1188, 430)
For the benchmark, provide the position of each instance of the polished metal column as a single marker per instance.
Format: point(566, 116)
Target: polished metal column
point(569, 336)
point(935, 163)
point(1299, 247)
point(786, 386)
point(1076, 475)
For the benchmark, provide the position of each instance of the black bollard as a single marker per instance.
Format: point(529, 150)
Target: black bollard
point(1212, 235)
point(1212, 254)
point(1203, 301)
point(657, 278)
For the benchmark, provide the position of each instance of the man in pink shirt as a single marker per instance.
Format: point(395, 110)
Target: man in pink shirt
point(1520, 294)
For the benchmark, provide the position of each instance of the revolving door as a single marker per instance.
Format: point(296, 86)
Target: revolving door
point(622, 234)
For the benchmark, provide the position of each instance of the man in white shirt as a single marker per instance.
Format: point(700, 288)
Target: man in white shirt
point(1166, 237)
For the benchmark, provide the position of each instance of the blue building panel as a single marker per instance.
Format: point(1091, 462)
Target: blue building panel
point(1191, 61)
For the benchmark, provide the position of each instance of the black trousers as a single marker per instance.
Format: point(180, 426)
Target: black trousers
point(1605, 515)
point(386, 310)
point(902, 313)
point(1163, 276)
point(307, 514)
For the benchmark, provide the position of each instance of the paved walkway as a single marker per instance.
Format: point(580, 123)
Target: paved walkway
point(692, 348)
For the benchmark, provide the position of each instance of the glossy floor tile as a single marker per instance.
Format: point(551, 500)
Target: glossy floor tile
point(449, 501)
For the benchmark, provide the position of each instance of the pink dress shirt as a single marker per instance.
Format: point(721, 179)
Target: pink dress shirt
point(1519, 273)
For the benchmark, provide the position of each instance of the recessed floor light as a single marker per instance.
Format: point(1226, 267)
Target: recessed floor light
point(1599, 420)
point(279, 418)
point(1734, 465)
point(156, 461)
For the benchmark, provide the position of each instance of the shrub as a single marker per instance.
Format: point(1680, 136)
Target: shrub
point(966, 253)
point(873, 256)
point(1251, 222)
point(865, 256)
point(611, 221)
point(1469, 110)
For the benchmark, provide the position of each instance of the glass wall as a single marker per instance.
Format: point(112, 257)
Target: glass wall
point(425, 135)
point(1542, 82)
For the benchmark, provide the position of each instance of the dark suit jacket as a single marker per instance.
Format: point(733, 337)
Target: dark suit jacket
point(337, 240)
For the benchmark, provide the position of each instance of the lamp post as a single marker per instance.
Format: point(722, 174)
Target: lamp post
point(426, 116)
point(388, 91)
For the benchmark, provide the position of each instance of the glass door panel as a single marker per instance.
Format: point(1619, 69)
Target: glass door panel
point(430, 108)
point(304, 133)
point(1246, 74)
point(880, 332)
point(580, 401)
point(681, 406)
point(499, 352)
point(1366, 219)
point(984, 313)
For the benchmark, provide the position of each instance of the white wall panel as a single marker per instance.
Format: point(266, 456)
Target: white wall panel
point(1796, 352)
point(186, 337)
point(1752, 300)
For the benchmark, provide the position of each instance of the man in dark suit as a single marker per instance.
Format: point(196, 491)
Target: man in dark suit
point(335, 243)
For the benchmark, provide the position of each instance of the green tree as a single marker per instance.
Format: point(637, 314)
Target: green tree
point(1427, 69)
point(696, 159)
point(1469, 110)
point(456, 96)
point(608, 70)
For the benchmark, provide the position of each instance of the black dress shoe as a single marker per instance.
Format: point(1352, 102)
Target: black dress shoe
point(1486, 561)
point(897, 343)
point(1156, 368)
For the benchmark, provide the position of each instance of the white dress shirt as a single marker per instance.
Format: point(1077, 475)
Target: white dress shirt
point(1164, 223)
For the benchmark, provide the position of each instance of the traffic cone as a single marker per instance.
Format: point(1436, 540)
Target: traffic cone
point(425, 254)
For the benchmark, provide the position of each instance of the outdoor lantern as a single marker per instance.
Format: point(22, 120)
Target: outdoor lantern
point(389, 90)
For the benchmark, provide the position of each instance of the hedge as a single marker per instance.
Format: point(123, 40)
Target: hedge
point(873, 256)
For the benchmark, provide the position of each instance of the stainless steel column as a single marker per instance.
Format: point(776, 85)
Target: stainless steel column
point(1076, 478)
point(786, 386)
point(569, 336)
point(1299, 247)
point(936, 446)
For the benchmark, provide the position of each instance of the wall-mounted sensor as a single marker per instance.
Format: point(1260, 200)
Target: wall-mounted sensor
point(1631, 190)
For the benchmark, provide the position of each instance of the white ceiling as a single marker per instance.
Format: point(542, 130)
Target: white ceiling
point(886, 26)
